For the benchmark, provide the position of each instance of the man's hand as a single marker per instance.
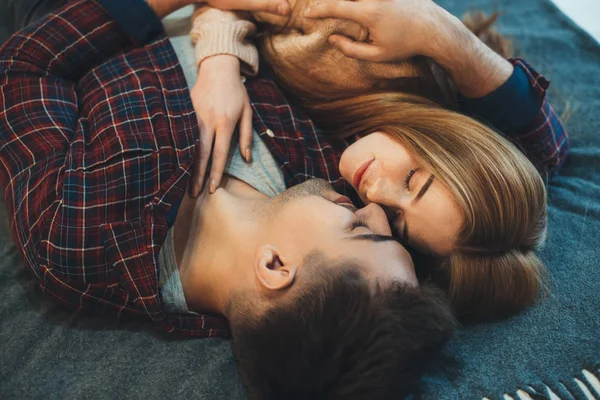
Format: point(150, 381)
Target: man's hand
point(280, 7)
point(162, 8)
point(220, 101)
point(400, 29)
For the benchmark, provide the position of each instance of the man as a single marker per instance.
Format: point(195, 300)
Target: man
point(97, 139)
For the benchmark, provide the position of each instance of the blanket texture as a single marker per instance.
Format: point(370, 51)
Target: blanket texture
point(552, 349)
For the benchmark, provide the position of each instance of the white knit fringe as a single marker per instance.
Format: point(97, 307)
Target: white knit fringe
point(588, 384)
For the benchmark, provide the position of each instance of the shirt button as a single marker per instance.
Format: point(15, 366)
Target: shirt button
point(270, 133)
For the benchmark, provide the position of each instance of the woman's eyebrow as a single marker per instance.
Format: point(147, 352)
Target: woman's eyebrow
point(423, 189)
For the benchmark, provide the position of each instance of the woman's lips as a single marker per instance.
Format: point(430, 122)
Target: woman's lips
point(360, 172)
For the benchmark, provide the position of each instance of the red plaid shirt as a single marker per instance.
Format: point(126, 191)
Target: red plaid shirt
point(97, 139)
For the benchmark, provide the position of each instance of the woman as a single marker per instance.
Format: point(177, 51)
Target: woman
point(452, 187)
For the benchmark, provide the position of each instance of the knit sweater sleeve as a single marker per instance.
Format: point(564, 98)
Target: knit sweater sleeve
point(224, 32)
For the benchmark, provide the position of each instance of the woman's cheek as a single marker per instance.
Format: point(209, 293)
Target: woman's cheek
point(344, 165)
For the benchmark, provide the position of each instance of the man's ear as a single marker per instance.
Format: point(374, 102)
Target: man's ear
point(272, 271)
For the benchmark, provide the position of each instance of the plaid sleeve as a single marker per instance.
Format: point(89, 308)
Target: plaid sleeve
point(520, 110)
point(41, 122)
point(544, 139)
point(39, 66)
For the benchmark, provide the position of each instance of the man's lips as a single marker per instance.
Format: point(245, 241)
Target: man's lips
point(346, 203)
point(360, 172)
point(343, 200)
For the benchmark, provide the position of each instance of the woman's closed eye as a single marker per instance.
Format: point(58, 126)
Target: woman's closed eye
point(423, 186)
point(408, 178)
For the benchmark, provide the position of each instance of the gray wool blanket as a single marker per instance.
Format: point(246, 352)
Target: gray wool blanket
point(552, 349)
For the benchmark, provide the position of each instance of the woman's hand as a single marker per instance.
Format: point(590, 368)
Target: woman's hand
point(398, 29)
point(162, 8)
point(220, 101)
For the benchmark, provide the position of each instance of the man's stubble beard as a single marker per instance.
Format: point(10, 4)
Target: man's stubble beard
point(311, 187)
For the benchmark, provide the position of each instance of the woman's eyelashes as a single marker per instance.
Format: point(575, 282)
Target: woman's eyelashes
point(408, 178)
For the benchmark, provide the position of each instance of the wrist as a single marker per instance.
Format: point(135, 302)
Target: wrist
point(449, 38)
point(225, 63)
point(442, 28)
point(475, 69)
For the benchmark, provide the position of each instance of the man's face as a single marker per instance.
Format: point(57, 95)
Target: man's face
point(312, 216)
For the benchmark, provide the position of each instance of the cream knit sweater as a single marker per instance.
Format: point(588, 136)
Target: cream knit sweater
point(224, 32)
point(301, 47)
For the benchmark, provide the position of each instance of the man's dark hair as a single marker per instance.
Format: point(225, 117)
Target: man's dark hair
point(341, 337)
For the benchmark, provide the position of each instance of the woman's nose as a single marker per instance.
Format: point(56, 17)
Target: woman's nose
point(375, 218)
point(381, 192)
point(387, 196)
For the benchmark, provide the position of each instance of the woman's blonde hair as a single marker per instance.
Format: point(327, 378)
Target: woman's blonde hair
point(493, 270)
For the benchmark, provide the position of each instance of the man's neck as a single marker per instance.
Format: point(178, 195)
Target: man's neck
point(213, 241)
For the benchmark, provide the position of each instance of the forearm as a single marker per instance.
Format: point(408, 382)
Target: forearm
point(475, 69)
point(509, 95)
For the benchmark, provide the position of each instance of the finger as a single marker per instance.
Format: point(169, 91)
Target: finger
point(194, 191)
point(246, 133)
point(342, 9)
point(219, 156)
point(203, 149)
point(280, 7)
point(358, 50)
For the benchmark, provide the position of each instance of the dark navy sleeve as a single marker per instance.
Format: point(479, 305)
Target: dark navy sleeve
point(135, 18)
point(509, 108)
point(520, 110)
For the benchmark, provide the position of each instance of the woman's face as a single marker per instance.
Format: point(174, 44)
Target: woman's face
point(421, 210)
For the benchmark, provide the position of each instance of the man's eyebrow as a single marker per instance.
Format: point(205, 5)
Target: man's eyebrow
point(423, 189)
point(373, 237)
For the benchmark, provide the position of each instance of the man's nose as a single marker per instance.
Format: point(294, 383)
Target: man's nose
point(375, 218)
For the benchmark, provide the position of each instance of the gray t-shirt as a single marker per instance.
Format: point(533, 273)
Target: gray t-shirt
point(262, 173)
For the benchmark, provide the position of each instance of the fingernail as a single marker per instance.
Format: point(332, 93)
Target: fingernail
point(283, 9)
point(306, 12)
point(213, 186)
point(248, 154)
